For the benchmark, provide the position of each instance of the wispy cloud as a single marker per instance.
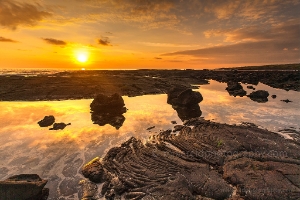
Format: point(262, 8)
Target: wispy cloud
point(248, 9)
point(55, 41)
point(252, 45)
point(3, 39)
point(153, 44)
point(104, 41)
point(14, 14)
point(288, 30)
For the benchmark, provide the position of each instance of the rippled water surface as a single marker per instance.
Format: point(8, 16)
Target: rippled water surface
point(58, 155)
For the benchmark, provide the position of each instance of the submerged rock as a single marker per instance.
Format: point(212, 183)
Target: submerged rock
point(47, 121)
point(108, 110)
point(23, 187)
point(260, 96)
point(204, 162)
point(235, 89)
point(59, 126)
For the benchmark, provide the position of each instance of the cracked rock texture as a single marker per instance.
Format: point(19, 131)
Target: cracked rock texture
point(208, 161)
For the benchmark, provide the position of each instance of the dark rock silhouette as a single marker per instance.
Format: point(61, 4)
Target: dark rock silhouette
point(185, 102)
point(59, 126)
point(286, 100)
point(24, 187)
point(235, 89)
point(47, 121)
point(183, 96)
point(260, 96)
point(204, 161)
point(79, 85)
point(108, 110)
point(108, 104)
point(274, 96)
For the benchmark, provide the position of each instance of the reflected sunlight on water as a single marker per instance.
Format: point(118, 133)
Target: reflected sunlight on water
point(273, 115)
point(58, 155)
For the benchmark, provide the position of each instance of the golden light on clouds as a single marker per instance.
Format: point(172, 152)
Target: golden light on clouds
point(154, 34)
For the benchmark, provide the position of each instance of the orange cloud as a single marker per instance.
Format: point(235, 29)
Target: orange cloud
point(55, 41)
point(14, 14)
point(3, 39)
point(104, 41)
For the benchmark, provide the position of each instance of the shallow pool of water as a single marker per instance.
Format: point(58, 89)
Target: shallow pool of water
point(58, 155)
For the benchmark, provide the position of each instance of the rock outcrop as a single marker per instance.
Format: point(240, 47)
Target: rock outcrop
point(108, 110)
point(185, 101)
point(183, 96)
point(210, 160)
point(260, 96)
point(235, 89)
point(23, 187)
point(47, 121)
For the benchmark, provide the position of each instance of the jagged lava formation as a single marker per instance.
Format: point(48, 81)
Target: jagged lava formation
point(208, 161)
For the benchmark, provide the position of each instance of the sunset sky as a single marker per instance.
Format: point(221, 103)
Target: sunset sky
point(133, 34)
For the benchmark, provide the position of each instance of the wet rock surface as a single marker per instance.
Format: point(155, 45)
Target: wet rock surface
point(90, 190)
point(260, 96)
point(210, 160)
point(23, 187)
point(108, 110)
point(47, 121)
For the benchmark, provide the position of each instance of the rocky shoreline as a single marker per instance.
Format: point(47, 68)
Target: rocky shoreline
point(208, 161)
point(87, 84)
point(199, 160)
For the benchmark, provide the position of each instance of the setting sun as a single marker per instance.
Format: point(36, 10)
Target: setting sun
point(82, 57)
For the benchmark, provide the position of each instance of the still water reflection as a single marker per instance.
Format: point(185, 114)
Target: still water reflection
point(58, 155)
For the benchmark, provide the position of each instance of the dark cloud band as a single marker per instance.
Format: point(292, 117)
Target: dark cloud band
point(55, 41)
